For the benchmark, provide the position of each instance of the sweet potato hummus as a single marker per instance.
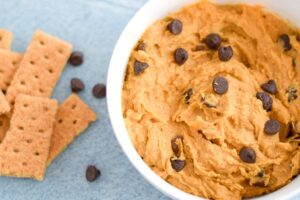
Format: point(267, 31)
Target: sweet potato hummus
point(211, 100)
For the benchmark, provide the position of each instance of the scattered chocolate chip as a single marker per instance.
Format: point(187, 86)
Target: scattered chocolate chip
point(248, 155)
point(92, 173)
point(269, 87)
point(177, 164)
point(77, 85)
point(141, 46)
point(187, 95)
point(220, 85)
point(175, 144)
point(199, 48)
point(284, 39)
point(266, 99)
point(139, 67)
point(292, 93)
point(213, 41)
point(99, 90)
point(225, 53)
point(180, 56)
point(298, 38)
point(76, 58)
point(175, 26)
point(272, 127)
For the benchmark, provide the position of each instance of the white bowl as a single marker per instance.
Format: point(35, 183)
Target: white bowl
point(147, 15)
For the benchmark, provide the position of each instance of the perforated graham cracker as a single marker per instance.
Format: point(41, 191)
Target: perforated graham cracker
point(73, 117)
point(25, 148)
point(6, 38)
point(9, 62)
point(40, 67)
point(4, 105)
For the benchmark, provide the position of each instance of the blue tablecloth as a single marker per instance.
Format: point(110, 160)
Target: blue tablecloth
point(92, 26)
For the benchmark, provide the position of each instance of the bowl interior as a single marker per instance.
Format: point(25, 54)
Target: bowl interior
point(151, 12)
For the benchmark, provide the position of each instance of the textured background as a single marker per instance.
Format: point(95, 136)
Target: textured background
point(92, 26)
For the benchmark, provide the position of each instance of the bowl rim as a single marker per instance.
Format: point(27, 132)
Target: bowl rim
point(115, 77)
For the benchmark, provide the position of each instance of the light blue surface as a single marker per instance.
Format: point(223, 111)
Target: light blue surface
point(92, 26)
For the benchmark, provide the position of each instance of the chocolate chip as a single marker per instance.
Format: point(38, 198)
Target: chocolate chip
point(272, 127)
point(92, 173)
point(76, 85)
point(213, 41)
point(175, 26)
point(225, 53)
point(175, 144)
point(180, 56)
point(187, 95)
point(248, 155)
point(220, 85)
point(298, 38)
point(266, 99)
point(141, 46)
point(76, 58)
point(292, 93)
point(177, 164)
point(284, 39)
point(139, 67)
point(269, 87)
point(99, 90)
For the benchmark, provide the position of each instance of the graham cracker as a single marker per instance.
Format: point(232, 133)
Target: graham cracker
point(9, 62)
point(25, 148)
point(4, 105)
point(40, 68)
point(73, 117)
point(6, 38)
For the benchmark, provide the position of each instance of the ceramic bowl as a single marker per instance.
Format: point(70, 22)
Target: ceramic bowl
point(147, 15)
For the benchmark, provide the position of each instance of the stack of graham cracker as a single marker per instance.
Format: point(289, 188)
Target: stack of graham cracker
point(33, 129)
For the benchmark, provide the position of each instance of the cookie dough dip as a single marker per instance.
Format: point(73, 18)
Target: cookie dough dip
point(211, 100)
